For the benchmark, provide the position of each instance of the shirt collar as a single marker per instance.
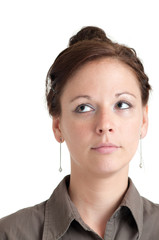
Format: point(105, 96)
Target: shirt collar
point(60, 211)
point(133, 201)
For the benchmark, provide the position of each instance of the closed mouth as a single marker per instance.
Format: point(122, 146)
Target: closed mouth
point(105, 148)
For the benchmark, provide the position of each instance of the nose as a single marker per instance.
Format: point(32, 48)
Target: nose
point(101, 131)
point(104, 124)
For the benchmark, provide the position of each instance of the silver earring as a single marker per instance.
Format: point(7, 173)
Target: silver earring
point(141, 158)
point(60, 169)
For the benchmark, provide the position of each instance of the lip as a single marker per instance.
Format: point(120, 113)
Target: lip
point(105, 148)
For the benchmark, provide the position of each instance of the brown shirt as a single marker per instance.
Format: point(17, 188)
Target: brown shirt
point(58, 218)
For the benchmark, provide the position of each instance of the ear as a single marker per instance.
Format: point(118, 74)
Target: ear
point(144, 126)
point(56, 128)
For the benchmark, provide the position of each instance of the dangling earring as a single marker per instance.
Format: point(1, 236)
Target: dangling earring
point(60, 169)
point(141, 158)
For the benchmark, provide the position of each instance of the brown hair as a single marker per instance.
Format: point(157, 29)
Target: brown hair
point(88, 44)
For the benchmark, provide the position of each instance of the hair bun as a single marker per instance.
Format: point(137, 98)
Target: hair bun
point(89, 33)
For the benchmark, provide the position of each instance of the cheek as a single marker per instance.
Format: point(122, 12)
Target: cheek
point(76, 138)
point(131, 135)
point(74, 132)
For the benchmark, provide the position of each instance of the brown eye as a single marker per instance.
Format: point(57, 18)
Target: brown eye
point(123, 105)
point(84, 108)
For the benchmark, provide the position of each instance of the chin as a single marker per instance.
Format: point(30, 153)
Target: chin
point(108, 169)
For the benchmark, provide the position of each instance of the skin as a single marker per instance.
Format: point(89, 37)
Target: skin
point(101, 104)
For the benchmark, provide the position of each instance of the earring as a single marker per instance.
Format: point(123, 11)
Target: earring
point(141, 158)
point(60, 169)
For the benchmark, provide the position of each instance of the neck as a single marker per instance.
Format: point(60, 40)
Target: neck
point(97, 198)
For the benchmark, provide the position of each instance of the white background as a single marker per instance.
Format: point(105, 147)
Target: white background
point(32, 33)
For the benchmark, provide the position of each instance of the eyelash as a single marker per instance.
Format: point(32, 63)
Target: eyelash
point(123, 102)
point(77, 110)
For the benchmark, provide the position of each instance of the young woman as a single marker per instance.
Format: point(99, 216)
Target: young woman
point(97, 93)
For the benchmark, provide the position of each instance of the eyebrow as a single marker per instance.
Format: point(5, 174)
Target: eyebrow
point(88, 97)
point(80, 96)
point(122, 93)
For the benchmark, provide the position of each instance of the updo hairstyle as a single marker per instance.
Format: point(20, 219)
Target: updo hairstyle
point(89, 44)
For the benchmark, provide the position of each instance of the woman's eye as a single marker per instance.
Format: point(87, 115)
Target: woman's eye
point(84, 108)
point(123, 105)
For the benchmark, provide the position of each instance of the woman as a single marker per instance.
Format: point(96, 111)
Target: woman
point(97, 93)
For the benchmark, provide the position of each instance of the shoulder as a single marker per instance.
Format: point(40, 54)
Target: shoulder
point(150, 219)
point(150, 208)
point(25, 224)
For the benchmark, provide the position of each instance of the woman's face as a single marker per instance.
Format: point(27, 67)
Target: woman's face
point(102, 117)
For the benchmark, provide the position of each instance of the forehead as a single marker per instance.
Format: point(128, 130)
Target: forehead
point(106, 63)
point(104, 72)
